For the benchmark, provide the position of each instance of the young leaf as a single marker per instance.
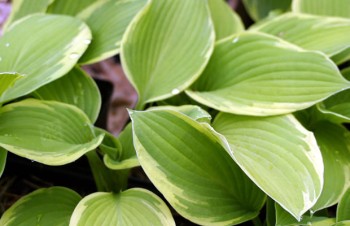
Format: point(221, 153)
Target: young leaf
point(69, 7)
point(45, 206)
point(7, 80)
point(108, 21)
point(334, 143)
point(187, 162)
point(180, 40)
point(131, 207)
point(22, 8)
point(3, 157)
point(259, 9)
point(337, 8)
point(258, 74)
point(226, 21)
point(48, 132)
point(76, 88)
point(279, 155)
point(343, 209)
point(327, 34)
point(58, 43)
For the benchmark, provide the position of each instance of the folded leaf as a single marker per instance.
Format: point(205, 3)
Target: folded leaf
point(55, 48)
point(48, 132)
point(226, 21)
point(45, 206)
point(279, 155)
point(258, 74)
point(327, 34)
point(259, 9)
point(343, 209)
point(131, 207)
point(76, 88)
point(108, 21)
point(180, 39)
point(188, 163)
point(338, 8)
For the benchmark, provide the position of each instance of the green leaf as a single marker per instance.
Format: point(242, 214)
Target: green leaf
point(338, 8)
point(76, 88)
point(69, 7)
point(180, 40)
point(22, 8)
point(343, 209)
point(45, 206)
point(3, 157)
point(125, 157)
point(279, 155)
point(48, 132)
point(131, 207)
point(342, 223)
point(327, 34)
point(258, 74)
point(342, 57)
point(334, 143)
point(7, 80)
point(108, 21)
point(58, 43)
point(226, 21)
point(187, 162)
point(192, 111)
point(259, 9)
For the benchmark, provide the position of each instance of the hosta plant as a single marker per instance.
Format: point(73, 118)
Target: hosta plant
point(232, 123)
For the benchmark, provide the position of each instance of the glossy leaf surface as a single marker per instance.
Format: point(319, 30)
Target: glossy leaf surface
point(48, 132)
point(55, 48)
point(76, 88)
point(258, 74)
point(187, 162)
point(279, 155)
point(327, 34)
point(45, 206)
point(338, 8)
point(179, 32)
point(131, 207)
point(108, 21)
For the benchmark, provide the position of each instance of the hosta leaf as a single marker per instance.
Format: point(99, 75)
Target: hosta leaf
point(126, 157)
point(343, 209)
point(76, 88)
point(327, 34)
point(49, 132)
point(187, 162)
point(131, 207)
point(342, 223)
point(342, 57)
point(108, 21)
point(226, 21)
point(338, 8)
point(180, 39)
point(22, 8)
point(49, 54)
point(258, 74)
point(259, 9)
point(3, 157)
point(279, 155)
point(45, 206)
point(333, 141)
point(7, 80)
point(69, 7)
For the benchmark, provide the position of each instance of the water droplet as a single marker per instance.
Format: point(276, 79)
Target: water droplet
point(87, 41)
point(7, 44)
point(74, 55)
point(175, 91)
point(235, 40)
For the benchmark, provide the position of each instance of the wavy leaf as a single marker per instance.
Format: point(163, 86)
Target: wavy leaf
point(45, 206)
point(179, 32)
point(187, 162)
point(108, 21)
point(338, 8)
point(76, 88)
point(58, 43)
point(327, 34)
point(131, 207)
point(258, 74)
point(48, 132)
